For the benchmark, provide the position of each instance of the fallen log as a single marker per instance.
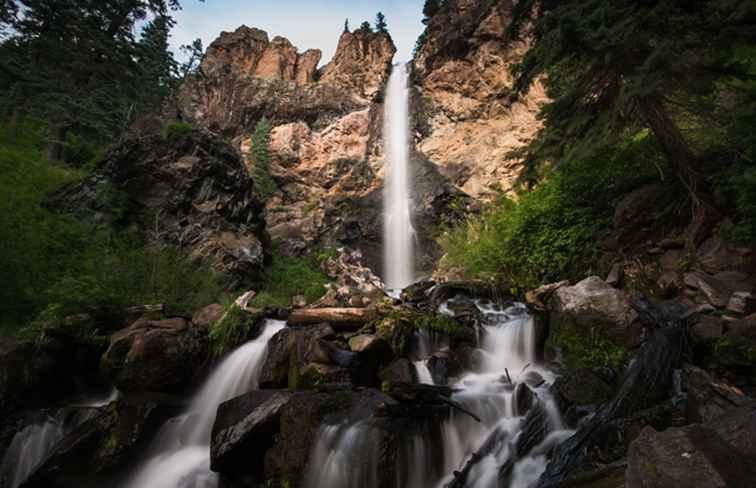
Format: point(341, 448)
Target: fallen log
point(340, 319)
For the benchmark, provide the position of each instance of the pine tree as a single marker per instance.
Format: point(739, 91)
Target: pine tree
point(623, 65)
point(346, 25)
point(159, 70)
point(260, 156)
point(431, 8)
point(193, 53)
point(380, 22)
point(365, 27)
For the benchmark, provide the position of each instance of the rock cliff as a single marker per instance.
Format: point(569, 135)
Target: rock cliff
point(465, 118)
point(325, 140)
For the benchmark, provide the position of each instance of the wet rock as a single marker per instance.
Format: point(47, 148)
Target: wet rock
point(399, 371)
point(199, 187)
point(708, 398)
point(721, 453)
point(463, 358)
point(640, 400)
point(532, 379)
point(522, 399)
point(361, 342)
point(473, 289)
point(244, 430)
point(207, 316)
point(593, 304)
point(154, 355)
point(290, 350)
point(418, 291)
point(539, 297)
point(616, 273)
point(439, 369)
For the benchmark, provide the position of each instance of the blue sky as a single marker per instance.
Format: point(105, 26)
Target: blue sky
point(308, 24)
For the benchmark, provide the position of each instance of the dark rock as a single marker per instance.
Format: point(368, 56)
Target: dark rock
point(462, 358)
point(207, 316)
point(532, 379)
point(475, 289)
point(707, 327)
point(522, 399)
point(615, 275)
point(399, 371)
point(582, 387)
point(742, 303)
point(538, 298)
point(196, 184)
point(647, 384)
point(439, 369)
point(715, 255)
point(418, 291)
point(745, 328)
point(709, 399)
point(594, 305)
point(716, 291)
point(721, 453)
point(244, 429)
point(155, 356)
point(670, 283)
point(290, 350)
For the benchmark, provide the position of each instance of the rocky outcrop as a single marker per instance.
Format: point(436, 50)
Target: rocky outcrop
point(155, 355)
point(361, 64)
point(466, 118)
point(189, 190)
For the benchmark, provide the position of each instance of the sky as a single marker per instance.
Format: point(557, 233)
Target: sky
point(308, 24)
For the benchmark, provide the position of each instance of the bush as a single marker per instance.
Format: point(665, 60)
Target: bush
point(176, 129)
point(233, 328)
point(287, 277)
point(547, 234)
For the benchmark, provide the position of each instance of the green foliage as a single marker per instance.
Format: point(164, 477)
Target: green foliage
point(431, 8)
point(260, 157)
point(365, 27)
point(234, 327)
point(53, 265)
point(380, 23)
point(547, 234)
point(176, 129)
point(286, 278)
point(590, 350)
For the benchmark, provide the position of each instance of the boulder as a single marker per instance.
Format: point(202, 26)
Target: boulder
point(716, 255)
point(539, 297)
point(706, 327)
point(720, 453)
point(196, 185)
point(291, 349)
point(244, 429)
point(581, 387)
point(670, 283)
point(207, 316)
point(745, 327)
point(742, 303)
point(593, 304)
point(708, 398)
point(637, 210)
point(616, 273)
point(155, 355)
point(716, 291)
point(361, 342)
point(399, 371)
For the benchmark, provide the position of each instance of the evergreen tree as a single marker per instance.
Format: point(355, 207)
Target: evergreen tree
point(260, 156)
point(193, 53)
point(365, 27)
point(380, 22)
point(618, 66)
point(346, 25)
point(431, 8)
point(156, 63)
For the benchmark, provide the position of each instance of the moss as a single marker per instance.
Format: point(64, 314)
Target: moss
point(176, 129)
point(591, 350)
point(287, 277)
point(734, 351)
point(294, 375)
point(233, 328)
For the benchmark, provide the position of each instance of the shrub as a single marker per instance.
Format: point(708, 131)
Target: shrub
point(287, 277)
point(233, 328)
point(176, 129)
point(547, 234)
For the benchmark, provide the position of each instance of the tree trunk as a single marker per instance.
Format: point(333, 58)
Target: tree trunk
point(54, 150)
point(684, 164)
point(341, 319)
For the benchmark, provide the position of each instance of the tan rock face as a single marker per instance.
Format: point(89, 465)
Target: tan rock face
point(467, 122)
point(362, 63)
point(247, 52)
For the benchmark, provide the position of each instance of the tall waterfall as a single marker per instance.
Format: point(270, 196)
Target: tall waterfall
point(181, 453)
point(398, 234)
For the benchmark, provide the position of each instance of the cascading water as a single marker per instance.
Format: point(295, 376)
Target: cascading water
point(181, 452)
point(507, 369)
point(398, 233)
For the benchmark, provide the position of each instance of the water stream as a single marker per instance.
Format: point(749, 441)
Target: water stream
point(398, 233)
point(180, 455)
point(507, 354)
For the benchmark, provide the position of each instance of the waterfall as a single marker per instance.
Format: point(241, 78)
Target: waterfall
point(181, 452)
point(398, 234)
point(346, 454)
